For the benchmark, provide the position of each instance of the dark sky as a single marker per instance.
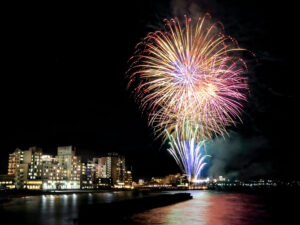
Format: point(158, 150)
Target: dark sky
point(63, 83)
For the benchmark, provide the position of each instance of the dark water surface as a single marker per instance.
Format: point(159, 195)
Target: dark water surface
point(207, 207)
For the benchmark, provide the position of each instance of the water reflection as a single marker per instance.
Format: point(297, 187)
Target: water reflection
point(207, 208)
point(55, 208)
point(90, 198)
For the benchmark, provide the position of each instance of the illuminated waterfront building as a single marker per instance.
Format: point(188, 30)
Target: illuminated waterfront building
point(169, 181)
point(128, 179)
point(31, 169)
point(12, 164)
point(18, 163)
point(70, 166)
point(52, 175)
point(91, 168)
point(172, 179)
point(88, 175)
point(157, 180)
point(34, 173)
point(64, 157)
point(62, 171)
point(35, 166)
point(21, 175)
point(13, 160)
point(112, 167)
point(16, 158)
point(120, 175)
point(25, 165)
point(99, 167)
point(83, 178)
point(104, 167)
point(117, 166)
point(97, 173)
point(107, 171)
point(76, 169)
point(183, 181)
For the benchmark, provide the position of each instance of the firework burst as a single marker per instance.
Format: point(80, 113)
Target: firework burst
point(189, 80)
point(189, 72)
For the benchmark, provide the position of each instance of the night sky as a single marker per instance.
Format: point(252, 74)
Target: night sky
point(63, 83)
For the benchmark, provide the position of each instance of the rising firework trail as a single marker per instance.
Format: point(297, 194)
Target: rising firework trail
point(189, 79)
point(188, 153)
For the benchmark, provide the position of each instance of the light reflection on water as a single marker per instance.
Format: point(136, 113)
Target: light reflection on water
point(55, 208)
point(206, 208)
point(188, 212)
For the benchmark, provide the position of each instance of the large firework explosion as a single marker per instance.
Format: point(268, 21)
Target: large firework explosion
point(189, 73)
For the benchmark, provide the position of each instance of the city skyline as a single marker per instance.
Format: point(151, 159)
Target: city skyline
point(33, 170)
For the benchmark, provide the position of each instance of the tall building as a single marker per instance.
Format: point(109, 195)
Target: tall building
point(90, 175)
point(52, 173)
point(118, 170)
point(18, 163)
point(70, 166)
point(34, 173)
point(83, 178)
point(112, 167)
point(35, 166)
point(64, 157)
point(104, 167)
point(21, 175)
point(102, 172)
point(16, 158)
point(76, 170)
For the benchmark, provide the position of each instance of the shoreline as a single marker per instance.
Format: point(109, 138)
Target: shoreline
point(6, 195)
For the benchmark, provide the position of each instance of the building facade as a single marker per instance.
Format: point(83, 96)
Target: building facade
point(31, 169)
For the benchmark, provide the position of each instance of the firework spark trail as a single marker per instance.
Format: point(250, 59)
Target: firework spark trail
point(188, 153)
point(189, 77)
